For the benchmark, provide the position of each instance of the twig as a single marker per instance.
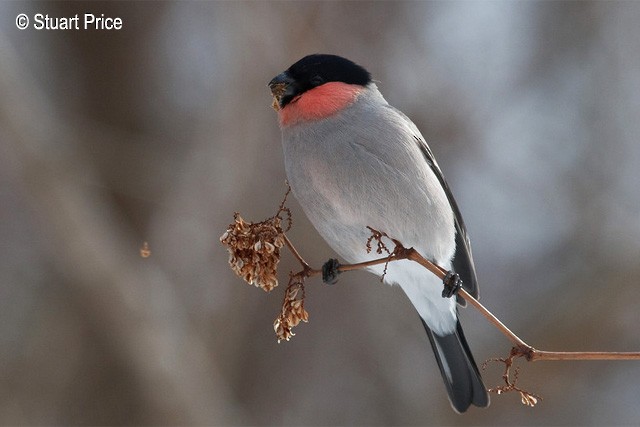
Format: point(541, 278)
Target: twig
point(236, 236)
point(526, 397)
point(305, 266)
point(494, 320)
point(520, 349)
point(536, 355)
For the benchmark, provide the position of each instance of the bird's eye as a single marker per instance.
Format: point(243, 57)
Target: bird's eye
point(317, 80)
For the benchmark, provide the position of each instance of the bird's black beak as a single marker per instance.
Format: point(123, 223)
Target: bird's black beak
point(283, 88)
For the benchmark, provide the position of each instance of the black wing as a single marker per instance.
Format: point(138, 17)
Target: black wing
point(462, 260)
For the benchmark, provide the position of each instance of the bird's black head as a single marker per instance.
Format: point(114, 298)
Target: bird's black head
point(313, 71)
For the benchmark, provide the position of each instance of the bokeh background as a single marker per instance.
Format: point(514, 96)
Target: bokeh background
point(160, 131)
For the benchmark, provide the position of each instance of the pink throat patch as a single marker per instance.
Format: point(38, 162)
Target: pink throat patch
point(318, 103)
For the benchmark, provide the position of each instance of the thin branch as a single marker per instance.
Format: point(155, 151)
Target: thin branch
point(527, 398)
point(296, 254)
point(537, 355)
point(493, 319)
point(520, 349)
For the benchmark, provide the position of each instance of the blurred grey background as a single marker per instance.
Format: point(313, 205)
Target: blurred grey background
point(160, 131)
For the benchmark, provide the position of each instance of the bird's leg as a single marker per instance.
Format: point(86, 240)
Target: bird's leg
point(452, 283)
point(330, 271)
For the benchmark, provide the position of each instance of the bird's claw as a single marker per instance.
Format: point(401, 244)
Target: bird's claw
point(330, 271)
point(452, 284)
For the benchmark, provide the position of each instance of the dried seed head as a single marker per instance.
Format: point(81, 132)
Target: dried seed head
point(277, 90)
point(293, 311)
point(254, 250)
point(528, 399)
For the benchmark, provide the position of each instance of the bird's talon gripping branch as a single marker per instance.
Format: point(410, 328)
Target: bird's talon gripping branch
point(452, 284)
point(330, 271)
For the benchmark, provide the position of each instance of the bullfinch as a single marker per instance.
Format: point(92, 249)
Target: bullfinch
point(352, 161)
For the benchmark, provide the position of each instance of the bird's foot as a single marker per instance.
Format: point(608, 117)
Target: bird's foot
point(330, 272)
point(452, 284)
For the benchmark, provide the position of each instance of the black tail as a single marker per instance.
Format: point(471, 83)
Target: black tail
point(458, 369)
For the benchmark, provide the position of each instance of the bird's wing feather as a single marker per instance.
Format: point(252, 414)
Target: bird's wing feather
point(463, 260)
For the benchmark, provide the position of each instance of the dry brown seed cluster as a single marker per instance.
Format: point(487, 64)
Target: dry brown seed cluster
point(278, 92)
point(293, 311)
point(377, 236)
point(254, 250)
point(528, 399)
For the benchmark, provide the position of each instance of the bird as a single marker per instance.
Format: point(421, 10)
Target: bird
point(353, 161)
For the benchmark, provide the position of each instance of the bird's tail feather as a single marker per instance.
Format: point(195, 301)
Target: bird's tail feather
point(458, 369)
